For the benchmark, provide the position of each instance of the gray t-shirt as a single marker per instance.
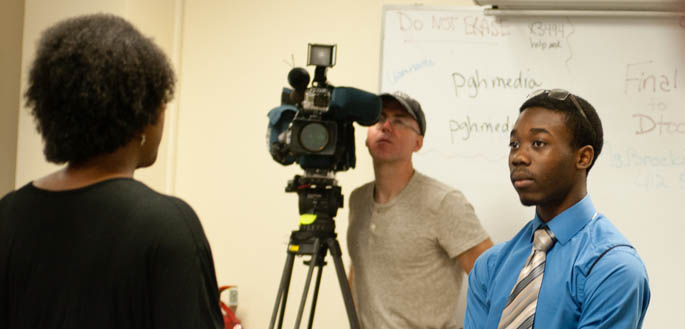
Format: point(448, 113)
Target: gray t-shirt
point(403, 253)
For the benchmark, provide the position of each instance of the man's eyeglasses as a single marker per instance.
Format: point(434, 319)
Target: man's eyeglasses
point(561, 95)
point(398, 122)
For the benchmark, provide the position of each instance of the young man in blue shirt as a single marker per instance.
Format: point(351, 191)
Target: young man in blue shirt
point(591, 276)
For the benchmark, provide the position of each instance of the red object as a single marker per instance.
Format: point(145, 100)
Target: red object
point(230, 320)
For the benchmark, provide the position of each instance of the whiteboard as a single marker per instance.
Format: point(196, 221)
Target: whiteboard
point(471, 73)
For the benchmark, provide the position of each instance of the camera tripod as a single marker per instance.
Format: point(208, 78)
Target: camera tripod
point(319, 200)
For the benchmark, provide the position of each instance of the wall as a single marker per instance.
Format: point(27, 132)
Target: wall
point(11, 25)
point(232, 59)
point(235, 60)
point(157, 19)
point(472, 72)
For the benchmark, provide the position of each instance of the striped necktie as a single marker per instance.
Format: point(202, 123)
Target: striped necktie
point(519, 312)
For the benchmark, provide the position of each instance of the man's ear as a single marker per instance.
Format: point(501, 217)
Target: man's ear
point(584, 157)
point(419, 143)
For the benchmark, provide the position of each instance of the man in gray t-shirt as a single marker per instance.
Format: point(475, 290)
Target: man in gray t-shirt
point(410, 237)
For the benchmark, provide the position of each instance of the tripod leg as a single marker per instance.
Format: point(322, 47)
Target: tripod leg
point(312, 264)
point(283, 288)
point(315, 297)
point(336, 253)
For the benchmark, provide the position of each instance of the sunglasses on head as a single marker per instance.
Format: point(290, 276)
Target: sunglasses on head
point(561, 95)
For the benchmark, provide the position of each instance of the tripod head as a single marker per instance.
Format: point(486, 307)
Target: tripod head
point(319, 197)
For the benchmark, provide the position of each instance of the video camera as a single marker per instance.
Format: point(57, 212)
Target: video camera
point(313, 125)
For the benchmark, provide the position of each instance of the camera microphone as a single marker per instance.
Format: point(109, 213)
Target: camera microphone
point(351, 104)
point(298, 78)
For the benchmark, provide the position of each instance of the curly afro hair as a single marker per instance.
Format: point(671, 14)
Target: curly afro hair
point(585, 132)
point(95, 83)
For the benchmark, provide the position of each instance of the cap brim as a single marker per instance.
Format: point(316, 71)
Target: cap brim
point(406, 106)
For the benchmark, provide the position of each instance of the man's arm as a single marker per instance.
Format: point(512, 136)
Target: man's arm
point(477, 305)
point(616, 292)
point(468, 257)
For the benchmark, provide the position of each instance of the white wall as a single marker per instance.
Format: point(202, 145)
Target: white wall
point(156, 18)
point(232, 58)
point(11, 26)
point(236, 56)
point(38, 15)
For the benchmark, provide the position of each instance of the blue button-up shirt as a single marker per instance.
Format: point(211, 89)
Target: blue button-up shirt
point(593, 277)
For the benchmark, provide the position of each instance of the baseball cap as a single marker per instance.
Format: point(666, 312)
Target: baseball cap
point(411, 106)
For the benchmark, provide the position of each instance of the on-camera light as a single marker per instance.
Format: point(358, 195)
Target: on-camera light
point(321, 55)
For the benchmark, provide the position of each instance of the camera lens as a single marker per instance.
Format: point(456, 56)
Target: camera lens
point(314, 137)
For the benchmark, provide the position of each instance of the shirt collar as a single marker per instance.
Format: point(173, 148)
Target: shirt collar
point(406, 190)
point(570, 221)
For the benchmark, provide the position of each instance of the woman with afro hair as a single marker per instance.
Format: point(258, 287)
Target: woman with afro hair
point(88, 246)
